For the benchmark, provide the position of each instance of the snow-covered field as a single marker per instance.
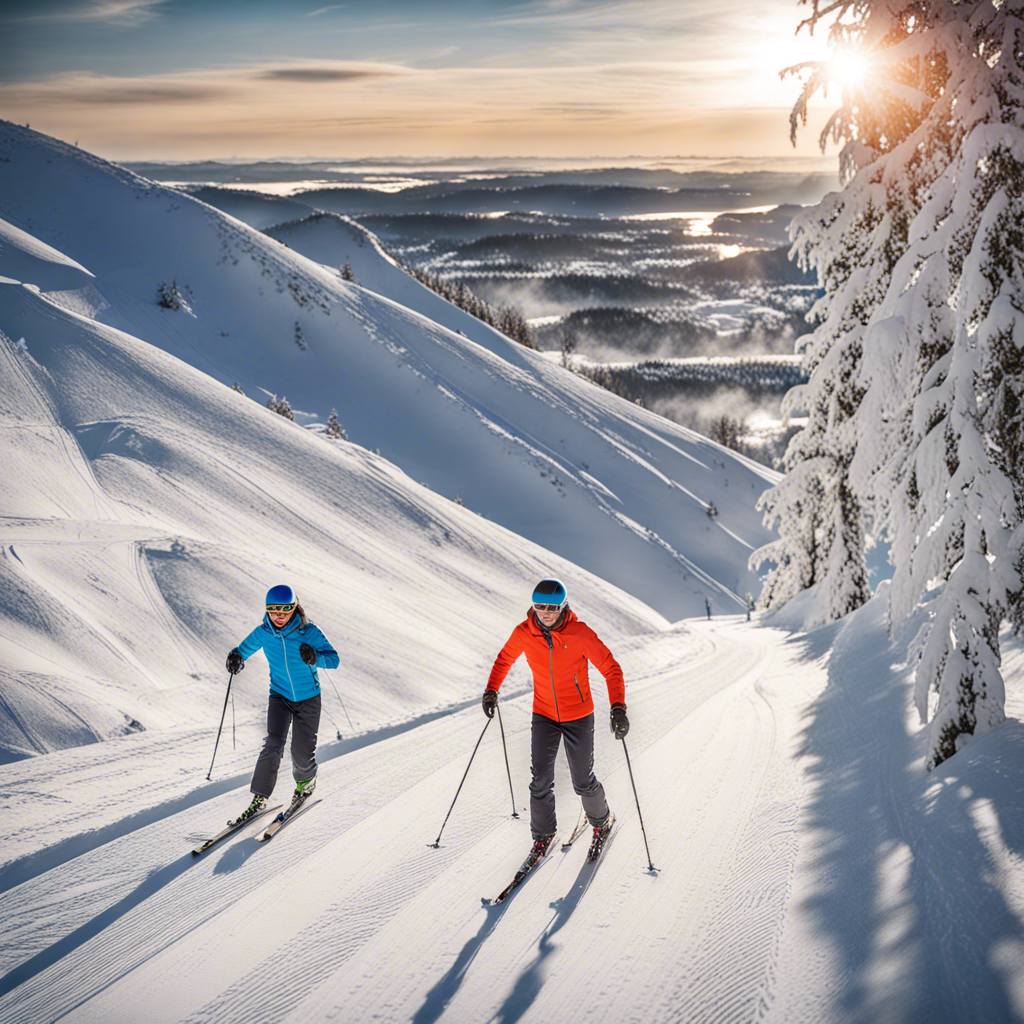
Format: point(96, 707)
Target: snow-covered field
point(806, 867)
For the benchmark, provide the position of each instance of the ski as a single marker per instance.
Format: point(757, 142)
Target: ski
point(292, 812)
point(232, 828)
point(527, 867)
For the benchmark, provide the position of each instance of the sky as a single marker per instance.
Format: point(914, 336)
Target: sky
point(195, 79)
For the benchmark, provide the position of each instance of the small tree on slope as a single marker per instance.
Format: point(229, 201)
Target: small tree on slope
point(916, 385)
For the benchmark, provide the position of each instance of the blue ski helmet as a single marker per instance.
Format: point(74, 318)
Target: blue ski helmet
point(281, 596)
point(550, 592)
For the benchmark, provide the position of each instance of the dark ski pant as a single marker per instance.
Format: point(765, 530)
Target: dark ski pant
point(303, 717)
point(579, 751)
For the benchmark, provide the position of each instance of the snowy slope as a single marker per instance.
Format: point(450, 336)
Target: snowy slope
point(807, 869)
point(382, 926)
point(147, 508)
point(333, 240)
point(526, 444)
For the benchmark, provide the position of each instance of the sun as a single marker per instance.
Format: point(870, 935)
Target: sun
point(850, 68)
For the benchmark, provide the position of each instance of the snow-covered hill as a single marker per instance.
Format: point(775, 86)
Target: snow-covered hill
point(457, 406)
point(146, 508)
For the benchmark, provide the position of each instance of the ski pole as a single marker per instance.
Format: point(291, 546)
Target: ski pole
point(437, 842)
point(650, 863)
point(507, 769)
point(221, 726)
point(330, 718)
point(341, 702)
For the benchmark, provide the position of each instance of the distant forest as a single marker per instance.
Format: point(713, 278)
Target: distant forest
point(649, 381)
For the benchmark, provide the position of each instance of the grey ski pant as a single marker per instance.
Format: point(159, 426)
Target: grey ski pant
point(579, 751)
point(304, 719)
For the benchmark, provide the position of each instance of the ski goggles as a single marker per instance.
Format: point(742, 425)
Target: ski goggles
point(280, 607)
point(548, 607)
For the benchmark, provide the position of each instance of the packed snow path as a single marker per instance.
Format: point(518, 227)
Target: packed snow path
point(351, 915)
point(353, 904)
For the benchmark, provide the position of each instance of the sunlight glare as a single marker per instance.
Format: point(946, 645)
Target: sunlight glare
point(850, 68)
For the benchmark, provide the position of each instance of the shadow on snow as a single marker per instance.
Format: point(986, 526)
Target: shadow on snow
point(905, 886)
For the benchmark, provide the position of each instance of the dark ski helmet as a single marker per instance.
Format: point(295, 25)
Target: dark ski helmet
point(551, 593)
point(281, 597)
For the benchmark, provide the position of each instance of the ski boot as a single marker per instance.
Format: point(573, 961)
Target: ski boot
point(257, 805)
point(304, 789)
point(538, 852)
point(601, 833)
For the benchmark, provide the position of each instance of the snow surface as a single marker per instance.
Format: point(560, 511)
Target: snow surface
point(807, 868)
point(805, 871)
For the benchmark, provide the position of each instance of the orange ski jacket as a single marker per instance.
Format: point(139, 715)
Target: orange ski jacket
point(558, 660)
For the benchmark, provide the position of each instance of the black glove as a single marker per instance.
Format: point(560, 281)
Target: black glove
point(490, 702)
point(235, 662)
point(307, 654)
point(619, 723)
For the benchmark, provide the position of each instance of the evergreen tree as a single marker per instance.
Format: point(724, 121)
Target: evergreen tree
point(281, 407)
point(334, 428)
point(726, 430)
point(569, 341)
point(916, 371)
point(168, 296)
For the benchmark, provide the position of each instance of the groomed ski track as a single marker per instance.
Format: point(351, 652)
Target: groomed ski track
point(349, 915)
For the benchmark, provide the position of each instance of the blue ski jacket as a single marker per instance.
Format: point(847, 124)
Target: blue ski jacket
point(290, 676)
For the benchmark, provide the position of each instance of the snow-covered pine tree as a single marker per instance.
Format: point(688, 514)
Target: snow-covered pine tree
point(168, 296)
point(334, 428)
point(921, 257)
point(281, 406)
point(795, 505)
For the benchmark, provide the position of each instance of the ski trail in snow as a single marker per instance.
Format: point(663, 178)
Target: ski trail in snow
point(185, 640)
point(548, 956)
point(380, 925)
point(21, 387)
point(91, 621)
point(370, 804)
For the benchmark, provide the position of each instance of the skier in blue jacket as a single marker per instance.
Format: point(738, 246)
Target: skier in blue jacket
point(294, 647)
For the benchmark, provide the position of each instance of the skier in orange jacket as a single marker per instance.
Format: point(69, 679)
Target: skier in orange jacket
point(558, 647)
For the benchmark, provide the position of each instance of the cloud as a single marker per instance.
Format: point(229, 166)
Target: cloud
point(149, 94)
point(324, 10)
point(248, 87)
point(99, 92)
point(125, 12)
point(390, 108)
point(329, 73)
